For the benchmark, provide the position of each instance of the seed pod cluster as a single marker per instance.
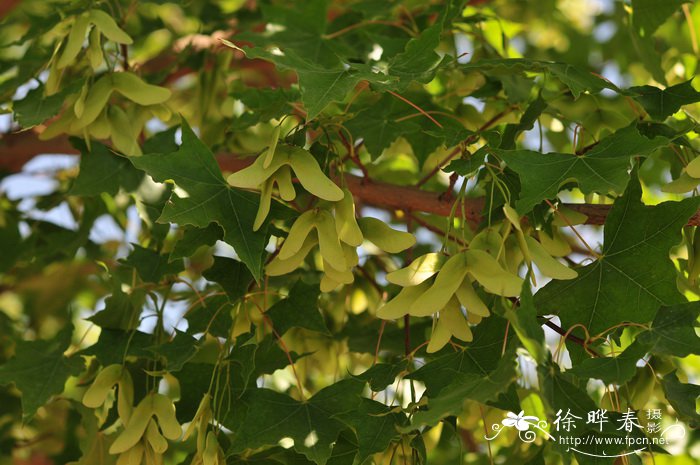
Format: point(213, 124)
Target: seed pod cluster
point(338, 233)
point(89, 113)
point(534, 252)
point(146, 431)
point(275, 167)
point(435, 284)
point(103, 25)
point(208, 450)
point(449, 291)
point(106, 379)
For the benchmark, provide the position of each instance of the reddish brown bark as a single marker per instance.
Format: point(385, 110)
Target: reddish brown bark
point(17, 149)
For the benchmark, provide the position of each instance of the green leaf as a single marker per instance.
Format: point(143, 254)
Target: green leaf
point(683, 398)
point(313, 424)
point(211, 314)
point(648, 15)
point(660, 104)
point(101, 170)
point(622, 290)
point(121, 310)
point(672, 331)
point(231, 275)
point(210, 199)
point(247, 361)
point(11, 240)
point(562, 394)
point(451, 399)
point(375, 426)
point(268, 356)
point(177, 351)
point(575, 78)
point(602, 169)
point(114, 344)
point(194, 238)
point(618, 370)
point(40, 370)
point(419, 61)
point(377, 124)
point(319, 84)
point(263, 105)
point(344, 450)
point(527, 122)
point(298, 310)
point(35, 108)
point(360, 333)
point(151, 265)
point(524, 321)
point(481, 357)
point(381, 375)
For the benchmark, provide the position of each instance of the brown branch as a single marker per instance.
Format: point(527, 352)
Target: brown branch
point(18, 148)
point(6, 6)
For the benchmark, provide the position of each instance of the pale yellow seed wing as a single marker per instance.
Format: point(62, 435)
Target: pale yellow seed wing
point(79, 104)
point(488, 240)
point(133, 456)
point(693, 168)
point(339, 276)
point(283, 178)
point(489, 273)
point(567, 216)
point(108, 27)
point(75, 41)
point(328, 284)
point(98, 391)
point(311, 177)
point(254, 175)
point(548, 265)
point(470, 300)
point(270, 152)
point(279, 267)
point(512, 216)
point(210, 454)
point(100, 128)
point(94, 50)
point(155, 439)
point(328, 241)
point(125, 396)
point(122, 132)
point(264, 205)
point(556, 244)
point(59, 126)
point(202, 415)
point(135, 428)
point(386, 238)
point(164, 409)
point(684, 183)
point(345, 222)
point(446, 284)
point(95, 102)
point(456, 321)
point(440, 336)
point(418, 271)
point(351, 257)
point(399, 305)
point(139, 91)
point(297, 235)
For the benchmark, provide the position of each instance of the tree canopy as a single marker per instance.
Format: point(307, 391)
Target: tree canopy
point(349, 232)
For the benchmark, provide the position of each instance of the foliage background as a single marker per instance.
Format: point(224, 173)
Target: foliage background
point(116, 258)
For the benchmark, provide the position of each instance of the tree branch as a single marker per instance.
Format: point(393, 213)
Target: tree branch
point(18, 148)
